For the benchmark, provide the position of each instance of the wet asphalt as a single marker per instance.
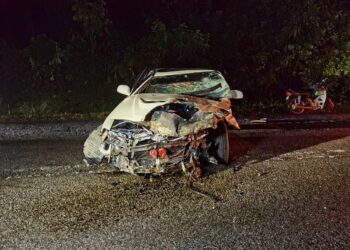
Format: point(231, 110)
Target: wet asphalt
point(282, 190)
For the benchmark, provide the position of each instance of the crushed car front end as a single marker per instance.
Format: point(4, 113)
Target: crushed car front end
point(153, 133)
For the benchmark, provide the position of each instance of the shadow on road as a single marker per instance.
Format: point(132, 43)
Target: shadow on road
point(256, 148)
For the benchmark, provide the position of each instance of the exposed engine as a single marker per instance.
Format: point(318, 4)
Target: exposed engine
point(171, 118)
point(171, 135)
point(134, 148)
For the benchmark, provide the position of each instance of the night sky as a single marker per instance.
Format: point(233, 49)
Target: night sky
point(21, 19)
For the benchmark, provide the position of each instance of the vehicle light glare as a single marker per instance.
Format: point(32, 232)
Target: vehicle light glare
point(153, 153)
point(162, 152)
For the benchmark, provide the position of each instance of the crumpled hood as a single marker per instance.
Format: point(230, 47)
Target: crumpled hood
point(135, 107)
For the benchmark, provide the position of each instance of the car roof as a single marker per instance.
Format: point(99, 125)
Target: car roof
point(170, 72)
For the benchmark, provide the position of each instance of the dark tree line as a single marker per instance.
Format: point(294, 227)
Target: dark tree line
point(262, 46)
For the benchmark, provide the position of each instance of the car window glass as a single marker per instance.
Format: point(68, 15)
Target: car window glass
point(186, 83)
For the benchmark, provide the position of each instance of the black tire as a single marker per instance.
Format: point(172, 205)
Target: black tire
point(92, 147)
point(219, 146)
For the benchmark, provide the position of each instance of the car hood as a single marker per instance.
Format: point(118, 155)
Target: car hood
point(134, 108)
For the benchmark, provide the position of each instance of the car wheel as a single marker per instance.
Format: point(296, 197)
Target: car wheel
point(219, 146)
point(92, 147)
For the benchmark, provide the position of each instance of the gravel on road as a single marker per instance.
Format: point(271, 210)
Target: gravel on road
point(287, 189)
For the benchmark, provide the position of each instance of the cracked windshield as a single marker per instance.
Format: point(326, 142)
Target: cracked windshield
point(200, 84)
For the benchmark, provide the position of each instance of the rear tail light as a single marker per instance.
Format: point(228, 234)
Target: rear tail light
point(153, 153)
point(162, 152)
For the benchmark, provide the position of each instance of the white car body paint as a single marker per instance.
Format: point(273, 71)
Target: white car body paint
point(137, 105)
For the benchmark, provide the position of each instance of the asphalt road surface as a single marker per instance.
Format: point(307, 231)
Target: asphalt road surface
point(283, 189)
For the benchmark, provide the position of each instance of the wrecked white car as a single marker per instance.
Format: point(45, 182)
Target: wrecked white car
point(170, 118)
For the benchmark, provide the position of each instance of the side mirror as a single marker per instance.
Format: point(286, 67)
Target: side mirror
point(235, 94)
point(123, 89)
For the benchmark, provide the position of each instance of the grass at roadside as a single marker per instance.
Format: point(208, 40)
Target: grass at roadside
point(259, 108)
point(54, 117)
point(240, 109)
point(271, 108)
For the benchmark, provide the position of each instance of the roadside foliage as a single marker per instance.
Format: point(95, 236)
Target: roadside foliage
point(262, 46)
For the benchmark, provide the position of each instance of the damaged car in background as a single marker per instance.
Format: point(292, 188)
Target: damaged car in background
point(170, 119)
